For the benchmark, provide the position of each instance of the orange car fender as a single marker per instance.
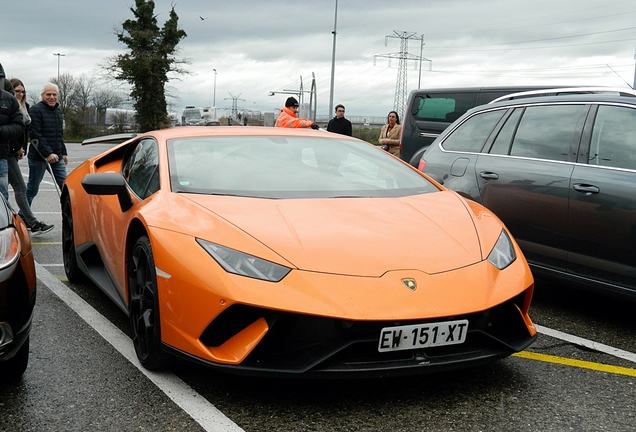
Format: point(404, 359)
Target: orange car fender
point(26, 253)
point(79, 200)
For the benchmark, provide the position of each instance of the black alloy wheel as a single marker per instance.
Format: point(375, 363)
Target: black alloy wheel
point(144, 307)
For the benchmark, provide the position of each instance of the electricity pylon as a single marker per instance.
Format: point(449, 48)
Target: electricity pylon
point(234, 104)
point(403, 56)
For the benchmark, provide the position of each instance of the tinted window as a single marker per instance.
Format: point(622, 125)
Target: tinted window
point(471, 135)
point(546, 132)
point(446, 107)
point(614, 138)
point(141, 168)
point(506, 134)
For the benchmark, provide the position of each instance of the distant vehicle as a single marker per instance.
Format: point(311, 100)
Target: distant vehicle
point(259, 250)
point(17, 294)
point(560, 172)
point(199, 116)
point(430, 111)
point(124, 120)
point(119, 119)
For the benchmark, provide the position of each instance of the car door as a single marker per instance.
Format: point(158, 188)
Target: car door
point(453, 160)
point(524, 178)
point(602, 225)
point(140, 170)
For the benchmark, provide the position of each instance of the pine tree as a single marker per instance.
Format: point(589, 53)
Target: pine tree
point(150, 57)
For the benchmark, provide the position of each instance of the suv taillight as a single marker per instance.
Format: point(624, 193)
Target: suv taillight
point(421, 165)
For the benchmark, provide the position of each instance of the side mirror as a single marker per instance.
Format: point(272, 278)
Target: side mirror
point(108, 184)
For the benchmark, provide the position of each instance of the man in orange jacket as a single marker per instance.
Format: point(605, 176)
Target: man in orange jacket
point(288, 117)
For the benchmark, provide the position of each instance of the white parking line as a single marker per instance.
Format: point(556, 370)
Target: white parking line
point(625, 355)
point(203, 412)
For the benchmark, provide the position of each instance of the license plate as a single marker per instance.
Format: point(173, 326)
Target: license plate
point(423, 335)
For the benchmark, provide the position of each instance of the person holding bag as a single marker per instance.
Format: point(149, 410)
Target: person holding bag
point(391, 133)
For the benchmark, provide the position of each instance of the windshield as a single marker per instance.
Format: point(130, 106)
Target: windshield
point(288, 167)
point(192, 114)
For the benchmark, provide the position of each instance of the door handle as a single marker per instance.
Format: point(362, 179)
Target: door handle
point(489, 175)
point(586, 189)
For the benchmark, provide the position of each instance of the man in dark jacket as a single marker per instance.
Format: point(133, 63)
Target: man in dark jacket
point(339, 124)
point(47, 144)
point(11, 127)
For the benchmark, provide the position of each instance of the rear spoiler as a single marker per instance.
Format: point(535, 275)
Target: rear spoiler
point(110, 139)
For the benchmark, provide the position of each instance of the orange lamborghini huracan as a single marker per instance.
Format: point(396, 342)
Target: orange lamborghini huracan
point(288, 252)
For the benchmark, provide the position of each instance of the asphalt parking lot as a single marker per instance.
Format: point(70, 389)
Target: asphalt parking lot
point(579, 375)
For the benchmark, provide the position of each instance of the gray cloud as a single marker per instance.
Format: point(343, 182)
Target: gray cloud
point(263, 46)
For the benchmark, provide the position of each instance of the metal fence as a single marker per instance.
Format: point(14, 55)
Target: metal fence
point(356, 121)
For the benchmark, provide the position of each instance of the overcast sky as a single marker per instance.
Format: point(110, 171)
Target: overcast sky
point(258, 47)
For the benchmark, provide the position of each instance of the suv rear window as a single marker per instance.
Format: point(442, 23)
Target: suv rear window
point(445, 107)
point(614, 138)
point(546, 132)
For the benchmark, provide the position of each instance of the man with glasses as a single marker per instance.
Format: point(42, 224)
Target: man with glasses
point(288, 117)
point(339, 124)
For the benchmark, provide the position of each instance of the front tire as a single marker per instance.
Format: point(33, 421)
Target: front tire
point(13, 369)
point(145, 321)
point(72, 270)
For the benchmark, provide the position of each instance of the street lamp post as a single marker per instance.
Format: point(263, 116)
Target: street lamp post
point(214, 97)
point(58, 65)
point(333, 60)
point(313, 102)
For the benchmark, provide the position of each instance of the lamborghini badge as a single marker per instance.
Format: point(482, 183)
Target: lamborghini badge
point(410, 284)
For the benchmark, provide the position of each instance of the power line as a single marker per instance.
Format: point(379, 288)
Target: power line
point(475, 48)
point(546, 39)
point(403, 57)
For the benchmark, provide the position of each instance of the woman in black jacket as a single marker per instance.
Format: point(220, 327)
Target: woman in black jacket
point(17, 150)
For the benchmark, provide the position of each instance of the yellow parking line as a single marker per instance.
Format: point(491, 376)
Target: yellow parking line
point(618, 370)
point(46, 243)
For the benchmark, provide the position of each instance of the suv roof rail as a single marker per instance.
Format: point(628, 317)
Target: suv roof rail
point(566, 91)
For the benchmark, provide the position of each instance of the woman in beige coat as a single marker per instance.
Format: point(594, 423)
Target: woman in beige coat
point(390, 134)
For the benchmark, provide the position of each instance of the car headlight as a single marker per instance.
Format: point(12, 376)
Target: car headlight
point(9, 247)
point(242, 264)
point(503, 254)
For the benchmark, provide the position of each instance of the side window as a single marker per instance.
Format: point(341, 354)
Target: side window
point(614, 138)
point(546, 132)
point(141, 168)
point(443, 107)
point(502, 143)
point(471, 135)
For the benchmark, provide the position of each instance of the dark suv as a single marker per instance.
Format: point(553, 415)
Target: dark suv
point(560, 171)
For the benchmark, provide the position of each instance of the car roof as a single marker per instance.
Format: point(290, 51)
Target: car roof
point(579, 98)
point(204, 131)
point(564, 91)
point(482, 88)
point(196, 131)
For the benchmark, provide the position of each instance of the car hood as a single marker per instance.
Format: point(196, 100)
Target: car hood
point(431, 232)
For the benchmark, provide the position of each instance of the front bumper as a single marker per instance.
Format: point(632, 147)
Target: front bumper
point(305, 346)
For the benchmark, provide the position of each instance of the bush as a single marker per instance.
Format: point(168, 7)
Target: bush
point(369, 135)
